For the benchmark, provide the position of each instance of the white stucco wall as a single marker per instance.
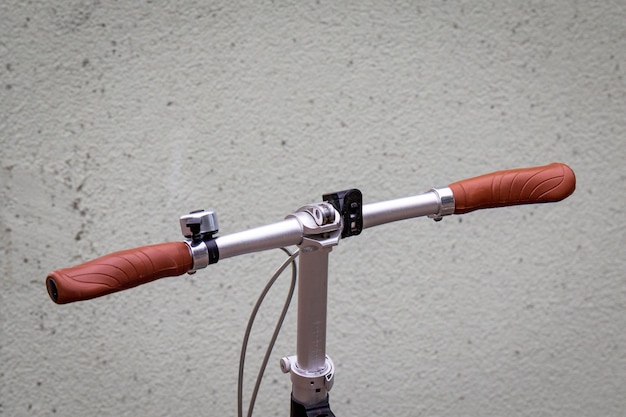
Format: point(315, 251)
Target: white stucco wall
point(116, 118)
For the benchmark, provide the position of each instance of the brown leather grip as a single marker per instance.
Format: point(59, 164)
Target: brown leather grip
point(118, 271)
point(543, 184)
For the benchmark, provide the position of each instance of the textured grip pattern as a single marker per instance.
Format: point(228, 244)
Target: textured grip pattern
point(544, 184)
point(118, 271)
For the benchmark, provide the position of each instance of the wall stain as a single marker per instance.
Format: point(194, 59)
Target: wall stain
point(70, 16)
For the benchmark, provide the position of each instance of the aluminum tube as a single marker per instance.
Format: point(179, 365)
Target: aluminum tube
point(312, 300)
point(277, 235)
point(289, 232)
point(403, 208)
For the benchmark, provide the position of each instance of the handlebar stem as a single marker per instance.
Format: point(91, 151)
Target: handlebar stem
point(311, 370)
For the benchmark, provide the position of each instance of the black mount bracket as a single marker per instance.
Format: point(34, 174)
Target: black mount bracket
point(349, 203)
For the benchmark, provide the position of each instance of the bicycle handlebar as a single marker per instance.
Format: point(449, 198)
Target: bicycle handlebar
point(130, 268)
point(543, 184)
point(118, 271)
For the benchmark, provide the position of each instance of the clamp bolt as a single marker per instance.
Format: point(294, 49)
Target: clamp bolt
point(285, 365)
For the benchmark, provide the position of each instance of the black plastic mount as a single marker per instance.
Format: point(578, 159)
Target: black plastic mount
point(349, 203)
point(214, 252)
point(209, 241)
point(318, 410)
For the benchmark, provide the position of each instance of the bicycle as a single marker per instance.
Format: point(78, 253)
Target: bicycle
point(315, 229)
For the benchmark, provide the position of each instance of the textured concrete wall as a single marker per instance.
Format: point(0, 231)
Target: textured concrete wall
point(116, 118)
